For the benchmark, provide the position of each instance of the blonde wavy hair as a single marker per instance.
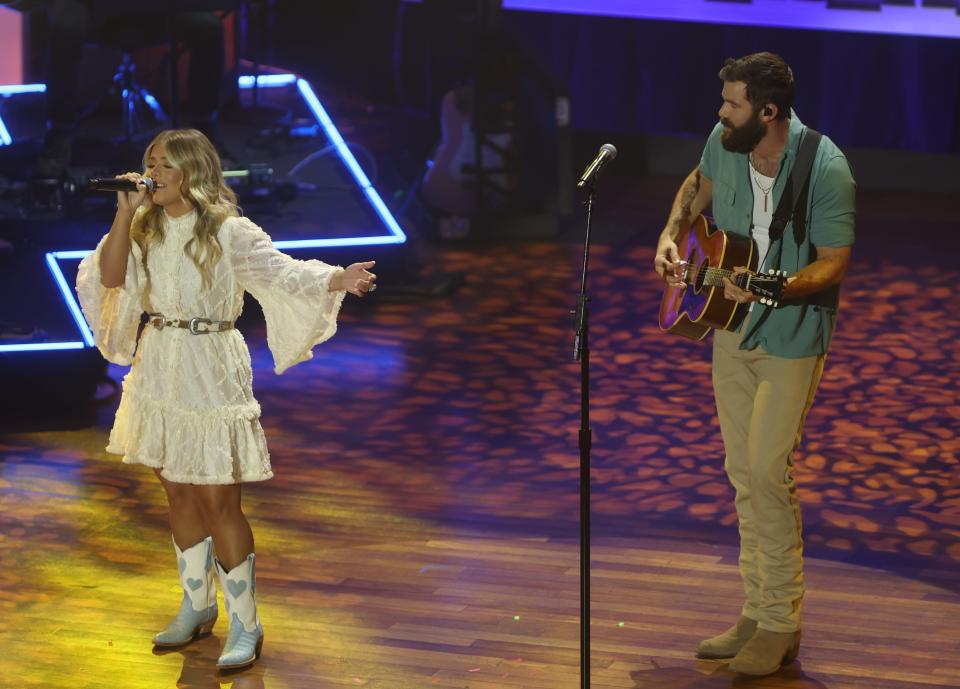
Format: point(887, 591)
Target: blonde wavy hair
point(190, 152)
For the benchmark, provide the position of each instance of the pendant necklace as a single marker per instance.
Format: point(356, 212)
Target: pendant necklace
point(766, 192)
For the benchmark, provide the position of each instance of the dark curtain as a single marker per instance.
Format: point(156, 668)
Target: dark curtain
point(863, 90)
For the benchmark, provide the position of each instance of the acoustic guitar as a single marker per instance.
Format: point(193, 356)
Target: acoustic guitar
point(707, 256)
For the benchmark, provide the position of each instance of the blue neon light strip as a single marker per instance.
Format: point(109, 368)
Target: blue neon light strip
point(13, 89)
point(398, 237)
point(5, 138)
point(7, 90)
point(41, 346)
point(337, 241)
point(72, 306)
point(79, 254)
point(72, 255)
point(908, 20)
point(68, 297)
point(266, 80)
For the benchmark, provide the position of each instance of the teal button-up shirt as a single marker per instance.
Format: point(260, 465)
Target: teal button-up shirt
point(801, 327)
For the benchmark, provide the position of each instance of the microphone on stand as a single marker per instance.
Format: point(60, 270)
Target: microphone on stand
point(113, 184)
point(607, 153)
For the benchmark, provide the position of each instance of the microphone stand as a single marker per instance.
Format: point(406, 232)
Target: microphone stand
point(581, 353)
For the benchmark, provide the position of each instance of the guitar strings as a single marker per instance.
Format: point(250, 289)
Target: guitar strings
point(709, 272)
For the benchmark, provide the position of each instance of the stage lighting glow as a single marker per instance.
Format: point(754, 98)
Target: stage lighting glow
point(904, 20)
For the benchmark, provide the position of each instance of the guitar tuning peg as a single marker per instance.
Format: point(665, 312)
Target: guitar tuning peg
point(771, 271)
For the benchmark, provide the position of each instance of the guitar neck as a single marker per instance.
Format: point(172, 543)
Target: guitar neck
point(768, 287)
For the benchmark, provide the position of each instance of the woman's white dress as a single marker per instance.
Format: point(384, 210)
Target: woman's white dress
point(187, 405)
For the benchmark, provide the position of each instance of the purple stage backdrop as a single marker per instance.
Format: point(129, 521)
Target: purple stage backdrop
point(905, 17)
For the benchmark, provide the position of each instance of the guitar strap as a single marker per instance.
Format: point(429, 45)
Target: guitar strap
point(788, 208)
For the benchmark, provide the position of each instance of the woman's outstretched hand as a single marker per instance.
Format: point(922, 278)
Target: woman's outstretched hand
point(355, 279)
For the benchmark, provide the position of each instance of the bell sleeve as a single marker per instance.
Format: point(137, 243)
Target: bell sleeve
point(300, 310)
point(113, 313)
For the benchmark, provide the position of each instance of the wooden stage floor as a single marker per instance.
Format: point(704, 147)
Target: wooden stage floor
point(421, 530)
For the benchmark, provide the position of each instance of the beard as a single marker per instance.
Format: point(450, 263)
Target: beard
point(743, 139)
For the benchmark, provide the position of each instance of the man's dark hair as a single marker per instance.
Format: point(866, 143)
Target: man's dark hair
point(768, 79)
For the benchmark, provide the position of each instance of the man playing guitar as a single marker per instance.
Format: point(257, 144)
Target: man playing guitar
point(767, 367)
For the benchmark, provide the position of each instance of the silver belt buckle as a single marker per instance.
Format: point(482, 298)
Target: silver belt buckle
point(158, 321)
point(194, 322)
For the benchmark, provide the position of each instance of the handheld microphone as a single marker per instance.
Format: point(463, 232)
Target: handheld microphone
point(607, 153)
point(113, 184)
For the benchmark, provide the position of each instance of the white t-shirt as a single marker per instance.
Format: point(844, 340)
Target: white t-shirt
point(762, 219)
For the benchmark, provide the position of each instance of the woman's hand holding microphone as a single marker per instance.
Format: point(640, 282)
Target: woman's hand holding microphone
point(129, 201)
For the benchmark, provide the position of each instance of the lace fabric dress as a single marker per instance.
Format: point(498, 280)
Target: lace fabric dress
point(187, 405)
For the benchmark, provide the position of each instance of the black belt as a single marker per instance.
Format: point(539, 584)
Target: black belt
point(196, 326)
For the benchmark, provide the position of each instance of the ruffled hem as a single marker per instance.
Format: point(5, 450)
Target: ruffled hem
point(203, 446)
point(196, 479)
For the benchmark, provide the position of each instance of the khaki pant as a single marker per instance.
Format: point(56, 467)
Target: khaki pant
point(762, 401)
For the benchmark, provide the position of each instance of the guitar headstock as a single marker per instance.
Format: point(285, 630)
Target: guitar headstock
point(768, 286)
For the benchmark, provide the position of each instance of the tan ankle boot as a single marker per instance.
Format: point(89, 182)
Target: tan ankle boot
point(766, 652)
point(728, 644)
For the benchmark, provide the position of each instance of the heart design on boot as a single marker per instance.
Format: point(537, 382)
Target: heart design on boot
point(236, 587)
point(194, 584)
point(181, 564)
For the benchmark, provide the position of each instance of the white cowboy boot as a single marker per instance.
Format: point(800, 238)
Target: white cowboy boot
point(246, 635)
point(198, 609)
